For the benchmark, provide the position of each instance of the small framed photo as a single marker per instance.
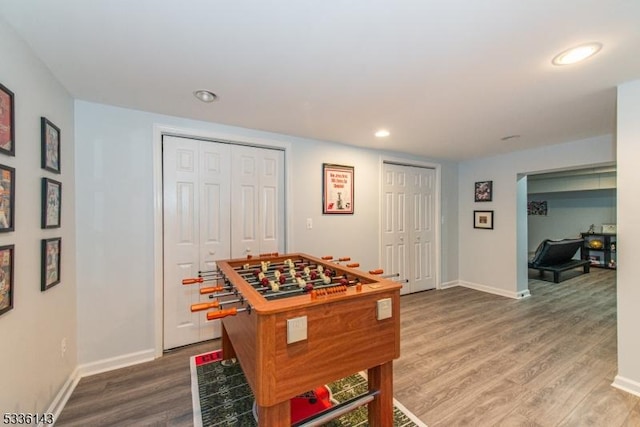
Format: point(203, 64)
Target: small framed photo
point(6, 278)
point(337, 189)
point(51, 203)
point(50, 140)
point(484, 191)
point(7, 122)
point(7, 198)
point(483, 219)
point(51, 250)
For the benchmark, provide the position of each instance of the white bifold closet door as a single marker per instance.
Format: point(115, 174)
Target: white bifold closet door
point(221, 201)
point(408, 225)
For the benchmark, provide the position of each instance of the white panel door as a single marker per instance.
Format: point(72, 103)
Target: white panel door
point(221, 201)
point(408, 226)
point(196, 231)
point(395, 233)
point(257, 195)
point(422, 231)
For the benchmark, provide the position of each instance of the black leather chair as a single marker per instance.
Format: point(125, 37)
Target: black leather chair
point(556, 256)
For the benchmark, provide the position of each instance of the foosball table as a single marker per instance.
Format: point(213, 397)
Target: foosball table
point(295, 322)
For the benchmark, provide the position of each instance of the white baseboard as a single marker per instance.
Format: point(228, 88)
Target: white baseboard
point(495, 291)
point(451, 284)
point(63, 395)
point(95, 368)
point(627, 385)
point(116, 362)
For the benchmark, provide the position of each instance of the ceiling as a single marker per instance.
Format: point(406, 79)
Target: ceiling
point(449, 78)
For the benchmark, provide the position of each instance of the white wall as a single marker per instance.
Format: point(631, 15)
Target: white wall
point(32, 369)
point(570, 213)
point(492, 260)
point(115, 200)
point(628, 134)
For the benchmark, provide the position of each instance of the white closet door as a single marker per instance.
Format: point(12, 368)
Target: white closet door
point(257, 195)
point(395, 233)
point(221, 201)
point(196, 231)
point(422, 230)
point(408, 221)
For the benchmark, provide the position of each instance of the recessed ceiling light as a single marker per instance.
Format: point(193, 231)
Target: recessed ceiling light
point(382, 133)
point(205, 95)
point(577, 54)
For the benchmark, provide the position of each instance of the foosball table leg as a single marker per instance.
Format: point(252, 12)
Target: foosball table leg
point(278, 415)
point(228, 352)
point(381, 408)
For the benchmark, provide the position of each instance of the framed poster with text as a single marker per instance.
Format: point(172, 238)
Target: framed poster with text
point(337, 189)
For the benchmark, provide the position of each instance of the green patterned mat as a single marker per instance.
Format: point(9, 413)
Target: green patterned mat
point(222, 397)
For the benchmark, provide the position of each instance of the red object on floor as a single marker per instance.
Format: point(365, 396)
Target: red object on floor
point(302, 406)
point(203, 359)
point(310, 403)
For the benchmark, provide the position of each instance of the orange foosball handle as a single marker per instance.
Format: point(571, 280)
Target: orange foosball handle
point(377, 271)
point(204, 306)
point(192, 281)
point(327, 257)
point(347, 258)
point(222, 313)
point(353, 265)
point(211, 290)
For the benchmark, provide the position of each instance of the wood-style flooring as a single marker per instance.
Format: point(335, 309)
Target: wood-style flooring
point(467, 358)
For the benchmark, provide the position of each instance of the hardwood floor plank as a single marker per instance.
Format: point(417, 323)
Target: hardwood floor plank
point(604, 406)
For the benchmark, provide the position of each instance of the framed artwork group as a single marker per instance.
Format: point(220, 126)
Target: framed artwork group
point(51, 248)
point(483, 192)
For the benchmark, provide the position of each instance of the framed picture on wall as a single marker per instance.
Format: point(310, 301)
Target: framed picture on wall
point(483, 219)
point(51, 250)
point(51, 203)
point(337, 189)
point(6, 278)
point(50, 141)
point(7, 198)
point(7, 122)
point(483, 191)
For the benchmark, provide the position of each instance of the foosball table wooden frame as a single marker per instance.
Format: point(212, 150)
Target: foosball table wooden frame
point(344, 336)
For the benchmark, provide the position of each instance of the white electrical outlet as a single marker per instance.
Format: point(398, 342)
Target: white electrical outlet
point(63, 347)
point(296, 329)
point(384, 309)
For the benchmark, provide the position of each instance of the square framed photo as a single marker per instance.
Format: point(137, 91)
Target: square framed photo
point(7, 122)
point(7, 198)
point(483, 191)
point(6, 278)
point(50, 140)
point(483, 219)
point(337, 189)
point(51, 203)
point(51, 250)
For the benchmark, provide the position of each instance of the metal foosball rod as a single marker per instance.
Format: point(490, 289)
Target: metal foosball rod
point(302, 283)
point(380, 272)
point(338, 410)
